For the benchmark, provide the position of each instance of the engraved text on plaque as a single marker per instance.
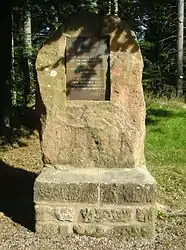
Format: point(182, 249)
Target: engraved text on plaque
point(87, 67)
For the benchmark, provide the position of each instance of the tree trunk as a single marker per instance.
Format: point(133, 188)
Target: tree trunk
point(14, 94)
point(27, 62)
point(115, 7)
point(180, 82)
point(109, 6)
point(5, 70)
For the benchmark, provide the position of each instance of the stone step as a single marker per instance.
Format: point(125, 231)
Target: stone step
point(138, 230)
point(95, 185)
point(96, 202)
point(95, 220)
point(86, 213)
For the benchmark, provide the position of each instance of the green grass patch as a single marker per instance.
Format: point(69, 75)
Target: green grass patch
point(165, 150)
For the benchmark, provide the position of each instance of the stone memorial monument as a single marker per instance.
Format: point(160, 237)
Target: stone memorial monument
point(94, 180)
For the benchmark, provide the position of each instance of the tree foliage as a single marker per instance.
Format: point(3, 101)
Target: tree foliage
point(159, 49)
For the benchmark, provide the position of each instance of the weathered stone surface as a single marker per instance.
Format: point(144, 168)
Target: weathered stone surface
point(145, 214)
point(66, 184)
point(104, 134)
point(98, 230)
point(65, 228)
point(115, 230)
point(73, 192)
point(54, 228)
point(128, 193)
point(55, 213)
point(127, 186)
point(90, 229)
point(89, 213)
point(114, 186)
point(96, 220)
point(135, 230)
point(102, 215)
point(46, 228)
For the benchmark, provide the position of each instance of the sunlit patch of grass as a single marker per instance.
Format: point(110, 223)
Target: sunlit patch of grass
point(165, 150)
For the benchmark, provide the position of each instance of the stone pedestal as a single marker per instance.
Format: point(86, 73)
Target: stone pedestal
point(96, 202)
point(94, 179)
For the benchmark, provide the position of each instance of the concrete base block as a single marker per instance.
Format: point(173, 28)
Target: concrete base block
point(97, 202)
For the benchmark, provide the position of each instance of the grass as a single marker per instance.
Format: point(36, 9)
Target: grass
point(165, 150)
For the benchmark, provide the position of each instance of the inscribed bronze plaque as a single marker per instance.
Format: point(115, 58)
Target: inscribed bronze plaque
point(87, 68)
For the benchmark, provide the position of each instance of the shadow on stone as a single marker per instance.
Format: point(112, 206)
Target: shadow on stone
point(16, 195)
point(91, 34)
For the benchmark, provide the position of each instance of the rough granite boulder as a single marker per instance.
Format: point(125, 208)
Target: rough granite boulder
point(81, 133)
